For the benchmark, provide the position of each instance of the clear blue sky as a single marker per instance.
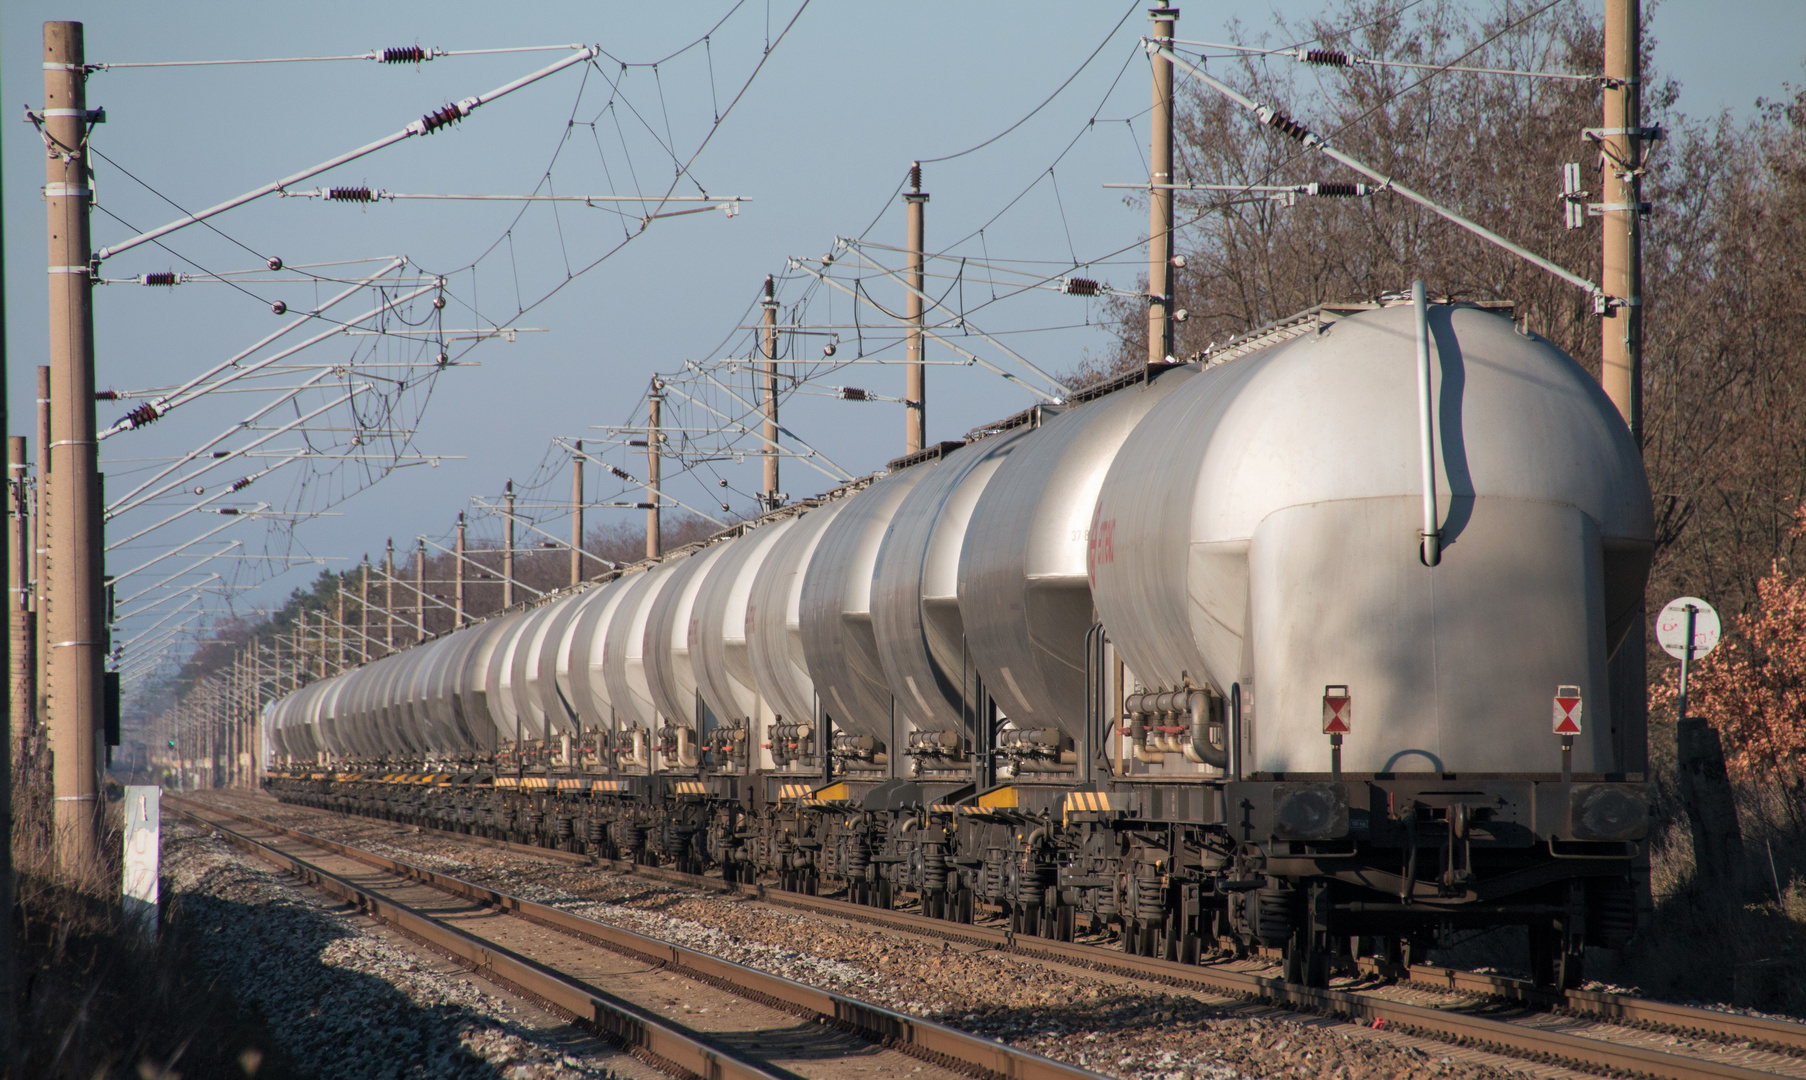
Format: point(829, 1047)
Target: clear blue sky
point(819, 143)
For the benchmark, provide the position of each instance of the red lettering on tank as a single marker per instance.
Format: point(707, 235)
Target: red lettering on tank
point(1100, 546)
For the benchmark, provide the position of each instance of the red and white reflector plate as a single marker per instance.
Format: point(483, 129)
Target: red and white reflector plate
point(1338, 712)
point(1567, 710)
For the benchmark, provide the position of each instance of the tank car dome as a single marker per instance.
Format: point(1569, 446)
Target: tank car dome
point(1261, 527)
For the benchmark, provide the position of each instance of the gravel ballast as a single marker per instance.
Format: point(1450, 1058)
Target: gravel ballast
point(347, 998)
point(1113, 1025)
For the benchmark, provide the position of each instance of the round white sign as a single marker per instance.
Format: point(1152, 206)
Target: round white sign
point(1671, 627)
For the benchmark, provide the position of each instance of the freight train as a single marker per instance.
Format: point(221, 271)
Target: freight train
point(1301, 646)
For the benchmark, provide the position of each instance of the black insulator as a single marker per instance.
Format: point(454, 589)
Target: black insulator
point(438, 118)
point(1079, 286)
point(1336, 189)
point(106, 395)
point(228, 510)
point(852, 393)
point(161, 277)
point(409, 54)
point(915, 175)
point(1329, 57)
point(1286, 125)
point(275, 262)
point(240, 485)
point(350, 194)
point(142, 415)
point(279, 307)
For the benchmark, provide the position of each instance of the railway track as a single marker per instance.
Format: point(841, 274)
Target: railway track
point(686, 1012)
point(1589, 1031)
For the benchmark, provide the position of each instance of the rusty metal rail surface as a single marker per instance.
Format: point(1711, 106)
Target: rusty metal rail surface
point(1461, 1028)
point(668, 1047)
point(1779, 1036)
point(911, 1034)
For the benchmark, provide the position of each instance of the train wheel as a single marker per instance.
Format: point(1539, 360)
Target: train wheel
point(1555, 961)
point(1294, 959)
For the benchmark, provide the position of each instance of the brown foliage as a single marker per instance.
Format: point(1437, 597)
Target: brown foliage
point(1753, 687)
point(1724, 383)
point(1491, 148)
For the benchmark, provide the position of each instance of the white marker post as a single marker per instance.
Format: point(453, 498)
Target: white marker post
point(143, 850)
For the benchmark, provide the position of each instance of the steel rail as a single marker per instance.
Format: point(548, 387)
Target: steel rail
point(910, 1034)
point(1514, 1040)
point(634, 1027)
point(1779, 1036)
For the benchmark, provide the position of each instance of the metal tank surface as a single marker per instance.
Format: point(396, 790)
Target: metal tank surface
point(448, 698)
point(718, 645)
point(555, 664)
point(774, 632)
point(1260, 529)
point(837, 608)
point(589, 675)
point(1023, 595)
point(507, 688)
point(916, 623)
point(474, 685)
point(628, 690)
point(524, 677)
point(498, 680)
point(670, 672)
point(445, 738)
point(559, 717)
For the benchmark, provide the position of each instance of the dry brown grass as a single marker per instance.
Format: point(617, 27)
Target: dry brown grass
point(1743, 943)
point(95, 1000)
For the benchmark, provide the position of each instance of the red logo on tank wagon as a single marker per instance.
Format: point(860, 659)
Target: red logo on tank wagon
point(1100, 546)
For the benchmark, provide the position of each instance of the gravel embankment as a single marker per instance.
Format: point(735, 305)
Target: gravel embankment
point(347, 999)
point(1104, 1023)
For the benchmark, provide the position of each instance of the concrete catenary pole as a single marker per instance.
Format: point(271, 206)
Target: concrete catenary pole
point(76, 647)
point(1160, 196)
point(389, 597)
point(1621, 330)
point(458, 595)
point(508, 546)
point(363, 611)
point(9, 1040)
point(21, 621)
point(1620, 158)
point(420, 591)
point(577, 514)
point(655, 544)
point(915, 393)
point(769, 495)
point(40, 560)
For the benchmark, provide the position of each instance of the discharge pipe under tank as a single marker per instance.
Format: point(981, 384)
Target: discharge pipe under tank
point(1431, 551)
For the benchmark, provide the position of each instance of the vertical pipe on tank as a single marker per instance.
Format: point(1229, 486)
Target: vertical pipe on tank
point(1426, 428)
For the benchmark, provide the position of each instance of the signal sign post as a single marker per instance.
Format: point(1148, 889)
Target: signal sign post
point(1688, 629)
point(1567, 725)
point(1338, 720)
